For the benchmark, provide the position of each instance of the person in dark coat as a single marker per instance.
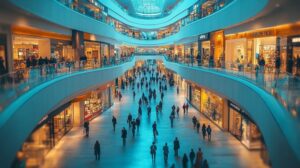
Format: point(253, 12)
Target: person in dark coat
point(124, 135)
point(192, 156)
point(185, 161)
point(166, 152)
point(176, 146)
point(208, 130)
point(97, 150)
point(114, 122)
point(153, 151)
point(86, 126)
point(203, 131)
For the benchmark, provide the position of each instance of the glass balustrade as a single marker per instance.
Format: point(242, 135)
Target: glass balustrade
point(14, 84)
point(99, 12)
point(283, 86)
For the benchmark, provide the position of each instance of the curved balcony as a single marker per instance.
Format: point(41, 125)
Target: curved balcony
point(280, 129)
point(28, 100)
point(212, 22)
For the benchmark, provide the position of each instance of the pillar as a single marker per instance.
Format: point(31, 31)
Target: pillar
point(78, 43)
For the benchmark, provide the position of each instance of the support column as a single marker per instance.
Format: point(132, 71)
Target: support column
point(225, 121)
point(78, 43)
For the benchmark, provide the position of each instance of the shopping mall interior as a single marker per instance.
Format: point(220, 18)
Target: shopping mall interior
point(150, 83)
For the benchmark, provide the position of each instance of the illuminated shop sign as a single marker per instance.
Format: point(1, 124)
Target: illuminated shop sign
point(203, 37)
point(296, 40)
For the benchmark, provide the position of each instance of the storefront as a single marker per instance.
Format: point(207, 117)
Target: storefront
point(95, 102)
point(236, 53)
point(243, 128)
point(180, 82)
point(62, 50)
point(25, 47)
point(247, 48)
point(204, 48)
point(92, 52)
point(217, 42)
point(293, 51)
point(46, 135)
point(213, 107)
point(196, 97)
point(105, 50)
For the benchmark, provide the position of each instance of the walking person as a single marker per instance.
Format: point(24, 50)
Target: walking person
point(129, 119)
point(184, 161)
point(204, 131)
point(140, 110)
point(133, 95)
point(172, 120)
point(138, 122)
point(124, 136)
point(199, 158)
point(194, 120)
point(114, 122)
point(153, 151)
point(184, 108)
point(205, 164)
point(198, 127)
point(166, 152)
point(120, 96)
point(176, 146)
point(208, 130)
point(154, 129)
point(192, 156)
point(133, 124)
point(187, 107)
point(86, 126)
point(97, 150)
point(177, 111)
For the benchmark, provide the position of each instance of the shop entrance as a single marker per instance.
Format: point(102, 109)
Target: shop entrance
point(92, 52)
point(243, 128)
point(25, 47)
point(205, 52)
point(265, 48)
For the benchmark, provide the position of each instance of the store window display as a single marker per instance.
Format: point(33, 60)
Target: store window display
point(92, 52)
point(196, 97)
point(47, 134)
point(25, 47)
point(93, 106)
point(265, 48)
point(243, 128)
point(62, 50)
point(212, 106)
point(236, 55)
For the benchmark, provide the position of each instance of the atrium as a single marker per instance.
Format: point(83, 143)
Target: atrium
point(150, 83)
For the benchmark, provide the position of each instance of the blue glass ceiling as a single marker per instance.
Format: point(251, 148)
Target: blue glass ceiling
point(148, 7)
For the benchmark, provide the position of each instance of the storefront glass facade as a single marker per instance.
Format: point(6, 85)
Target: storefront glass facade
point(212, 106)
point(242, 127)
point(27, 47)
point(96, 102)
point(47, 134)
point(196, 97)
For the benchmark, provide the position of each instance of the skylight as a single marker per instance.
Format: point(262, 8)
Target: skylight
point(148, 7)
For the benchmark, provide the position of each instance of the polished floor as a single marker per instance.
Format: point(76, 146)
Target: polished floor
point(74, 150)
